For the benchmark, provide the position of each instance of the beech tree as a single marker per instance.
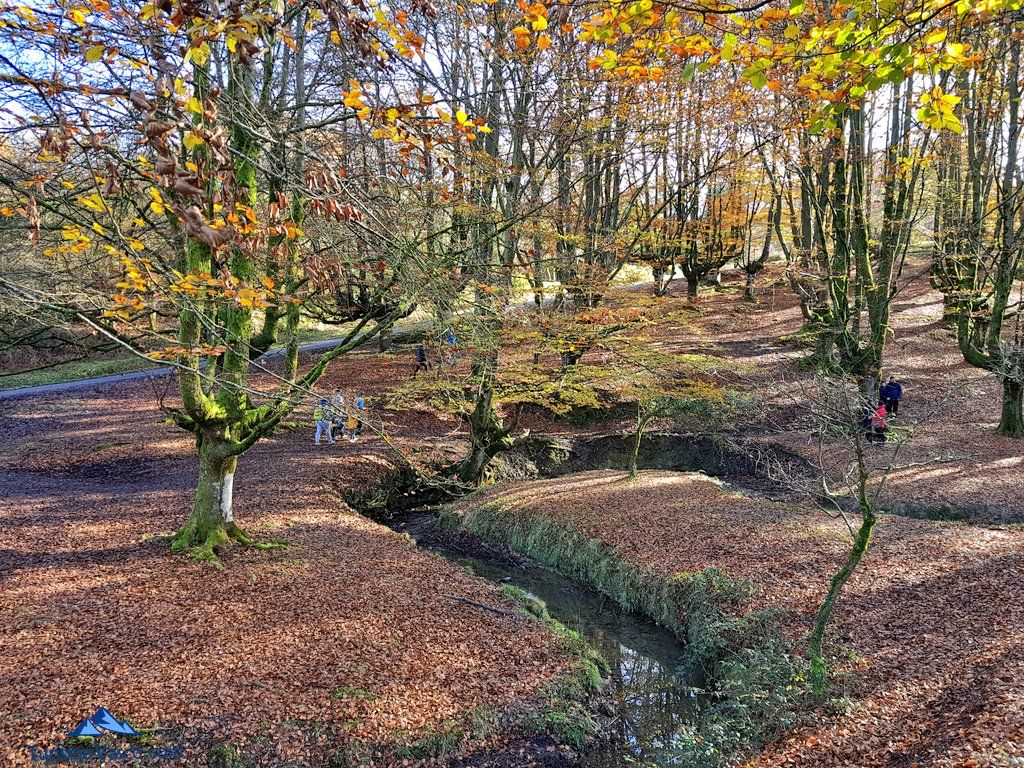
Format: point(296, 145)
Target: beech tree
point(979, 223)
point(166, 173)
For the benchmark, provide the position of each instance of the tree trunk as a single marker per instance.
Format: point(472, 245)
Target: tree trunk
point(692, 286)
point(474, 467)
point(824, 356)
point(488, 435)
point(869, 387)
point(210, 524)
point(571, 358)
point(1011, 422)
point(662, 280)
point(819, 668)
point(748, 290)
point(635, 453)
point(384, 339)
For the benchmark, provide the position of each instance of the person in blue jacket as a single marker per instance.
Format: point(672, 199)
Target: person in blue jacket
point(452, 344)
point(889, 395)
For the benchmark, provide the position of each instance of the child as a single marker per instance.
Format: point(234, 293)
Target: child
point(352, 424)
point(322, 416)
point(878, 425)
point(360, 413)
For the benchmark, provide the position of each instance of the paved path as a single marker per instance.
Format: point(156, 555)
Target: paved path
point(151, 373)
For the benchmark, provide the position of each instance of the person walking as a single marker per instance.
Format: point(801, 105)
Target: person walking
point(352, 424)
point(322, 416)
point(422, 363)
point(360, 410)
point(878, 425)
point(453, 345)
point(890, 395)
point(338, 411)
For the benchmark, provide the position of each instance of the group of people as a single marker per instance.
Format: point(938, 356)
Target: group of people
point(333, 418)
point(876, 417)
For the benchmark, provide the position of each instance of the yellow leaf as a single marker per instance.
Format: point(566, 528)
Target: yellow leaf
point(543, 42)
point(192, 140)
point(94, 53)
point(198, 55)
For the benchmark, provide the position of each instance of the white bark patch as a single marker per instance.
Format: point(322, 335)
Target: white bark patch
point(226, 490)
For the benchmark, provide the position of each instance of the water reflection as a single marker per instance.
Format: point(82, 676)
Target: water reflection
point(653, 703)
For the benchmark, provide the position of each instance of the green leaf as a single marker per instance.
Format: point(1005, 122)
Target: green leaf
point(729, 47)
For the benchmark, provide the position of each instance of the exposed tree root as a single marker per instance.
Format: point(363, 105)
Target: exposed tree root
point(202, 542)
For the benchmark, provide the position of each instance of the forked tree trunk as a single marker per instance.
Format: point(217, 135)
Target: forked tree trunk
point(1011, 422)
point(488, 435)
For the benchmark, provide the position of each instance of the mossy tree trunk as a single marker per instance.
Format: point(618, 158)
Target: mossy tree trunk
point(211, 524)
point(488, 434)
point(1011, 420)
point(861, 541)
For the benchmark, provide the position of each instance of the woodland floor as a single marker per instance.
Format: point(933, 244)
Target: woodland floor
point(929, 632)
point(91, 614)
point(954, 460)
point(345, 631)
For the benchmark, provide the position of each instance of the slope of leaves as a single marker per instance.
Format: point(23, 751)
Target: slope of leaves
point(929, 636)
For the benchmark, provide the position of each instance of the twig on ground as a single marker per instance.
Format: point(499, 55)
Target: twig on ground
point(499, 611)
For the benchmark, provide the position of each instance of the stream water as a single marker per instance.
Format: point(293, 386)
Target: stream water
point(652, 700)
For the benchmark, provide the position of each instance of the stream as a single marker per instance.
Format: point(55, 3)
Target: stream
point(651, 699)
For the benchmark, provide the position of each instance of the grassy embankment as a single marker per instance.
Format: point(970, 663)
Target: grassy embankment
point(757, 681)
